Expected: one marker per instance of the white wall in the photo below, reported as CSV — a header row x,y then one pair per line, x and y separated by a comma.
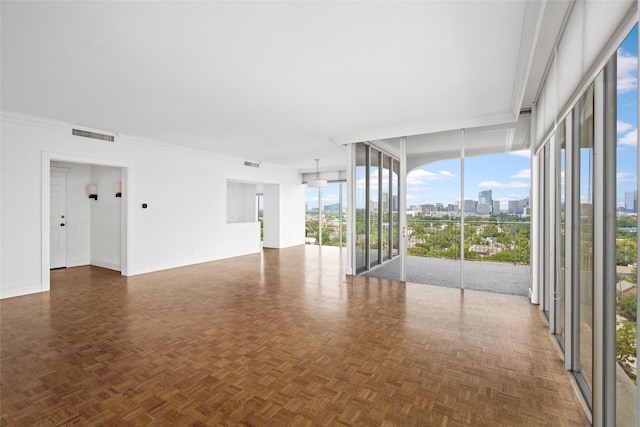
x,y
106,218
185,221
271,216
281,209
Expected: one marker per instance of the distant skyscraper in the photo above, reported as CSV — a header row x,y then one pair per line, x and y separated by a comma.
x,y
484,208
486,197
631,201
515,207
470,206
496,207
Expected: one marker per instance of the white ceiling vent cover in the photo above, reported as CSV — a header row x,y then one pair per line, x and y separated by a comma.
x,y
252,164
93,135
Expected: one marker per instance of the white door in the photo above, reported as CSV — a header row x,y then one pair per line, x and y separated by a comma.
x,y
57,220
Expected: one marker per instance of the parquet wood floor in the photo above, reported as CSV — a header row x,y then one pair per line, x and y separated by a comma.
x,y
279,338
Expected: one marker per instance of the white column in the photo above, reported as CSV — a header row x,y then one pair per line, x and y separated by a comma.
x,y
351,209
534,291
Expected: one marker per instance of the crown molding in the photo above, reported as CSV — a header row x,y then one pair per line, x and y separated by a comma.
x,y
121,138
33,121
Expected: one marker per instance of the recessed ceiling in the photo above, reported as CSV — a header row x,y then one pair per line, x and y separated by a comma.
x,y
277,82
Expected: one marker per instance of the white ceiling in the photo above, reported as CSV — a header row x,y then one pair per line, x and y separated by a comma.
x,y
277,82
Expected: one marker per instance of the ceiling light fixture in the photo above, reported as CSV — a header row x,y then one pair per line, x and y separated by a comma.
x,y
317,183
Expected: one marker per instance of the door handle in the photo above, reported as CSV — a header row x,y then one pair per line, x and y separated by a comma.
x,y
62,225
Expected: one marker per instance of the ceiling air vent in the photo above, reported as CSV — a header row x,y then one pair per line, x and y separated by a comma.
x,y
252,164
94,135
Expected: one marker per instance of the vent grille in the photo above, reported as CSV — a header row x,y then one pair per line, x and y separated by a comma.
x,y
252,164
93,135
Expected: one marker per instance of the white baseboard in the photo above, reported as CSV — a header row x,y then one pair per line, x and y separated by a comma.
x,y
105,264
20,290
78,262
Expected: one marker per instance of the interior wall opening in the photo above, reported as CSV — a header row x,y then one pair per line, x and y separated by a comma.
x,y
86,216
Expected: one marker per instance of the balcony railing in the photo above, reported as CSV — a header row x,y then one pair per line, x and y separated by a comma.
x,y
484,240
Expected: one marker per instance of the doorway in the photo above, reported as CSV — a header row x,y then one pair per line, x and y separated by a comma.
x,y
95,231
85,215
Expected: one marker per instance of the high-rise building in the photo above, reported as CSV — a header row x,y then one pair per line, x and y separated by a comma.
x,y
486,197
631,201
496,207
484,208
470,206
515,207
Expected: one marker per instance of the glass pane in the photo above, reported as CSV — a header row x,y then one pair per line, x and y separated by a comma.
x,y
374,208
385,205
361,211
548,262
395,207
343,214
312,215
627,232
497,222
561,295
584,366
331,214
433,224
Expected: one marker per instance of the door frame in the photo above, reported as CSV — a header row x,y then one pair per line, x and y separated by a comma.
x,y
125,212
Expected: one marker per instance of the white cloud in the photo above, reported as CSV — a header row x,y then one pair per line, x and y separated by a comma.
x,y
448,174
522,153
630,138
625,177
624,126
496,184
627,71
522,174
421,176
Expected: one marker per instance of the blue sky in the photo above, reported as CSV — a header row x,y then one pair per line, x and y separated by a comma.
x,y
508,174
627,115
440,182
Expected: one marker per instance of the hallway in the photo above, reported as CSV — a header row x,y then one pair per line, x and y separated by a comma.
x,y
278,338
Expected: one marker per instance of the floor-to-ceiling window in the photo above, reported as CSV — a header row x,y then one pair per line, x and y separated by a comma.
x,y
591,208
361,232
497,222
560,290
583,366
385,207
626,259
325,215
395,206
376,207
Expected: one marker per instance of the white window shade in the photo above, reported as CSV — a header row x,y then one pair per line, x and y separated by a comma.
x,y
593,33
